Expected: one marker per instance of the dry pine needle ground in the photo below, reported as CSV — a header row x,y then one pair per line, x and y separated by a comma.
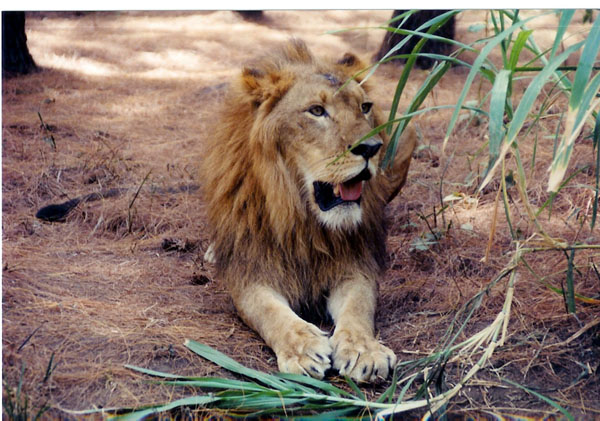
x,y
127,98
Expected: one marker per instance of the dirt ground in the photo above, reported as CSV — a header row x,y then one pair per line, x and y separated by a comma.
x,y
127,98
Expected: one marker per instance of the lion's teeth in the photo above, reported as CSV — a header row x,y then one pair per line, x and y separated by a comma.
x,y
336,190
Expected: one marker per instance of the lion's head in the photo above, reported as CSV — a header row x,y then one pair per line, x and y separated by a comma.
x,y
311,113
320,124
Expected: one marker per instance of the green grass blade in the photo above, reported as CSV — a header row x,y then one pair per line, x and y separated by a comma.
x,y
155,373
404,16
563,24
207,382
391,390
515,53
227,363
405,389
418,32
588,96
586,62
565,149
143,413
565,83
527,101
533,90
435,24
438,57
580,105
496,125
218,383
543,398
320,384
408,35
354,387
429,83
506,204
260,401
477,65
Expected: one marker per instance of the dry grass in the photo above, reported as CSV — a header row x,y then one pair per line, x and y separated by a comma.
x,y
127,94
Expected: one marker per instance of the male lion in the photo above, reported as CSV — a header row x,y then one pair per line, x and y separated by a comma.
x,y
295,226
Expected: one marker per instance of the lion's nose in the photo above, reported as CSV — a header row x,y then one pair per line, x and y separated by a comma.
x,y
367,149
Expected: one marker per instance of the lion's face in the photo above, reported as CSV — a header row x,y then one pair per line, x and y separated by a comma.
x,y
319,122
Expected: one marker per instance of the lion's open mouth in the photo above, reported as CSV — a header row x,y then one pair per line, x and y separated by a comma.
x,y
328,196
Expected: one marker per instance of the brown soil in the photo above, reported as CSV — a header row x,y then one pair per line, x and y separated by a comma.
x,y
127,98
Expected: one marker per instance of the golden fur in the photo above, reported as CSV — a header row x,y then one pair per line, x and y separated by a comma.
x,y
284,122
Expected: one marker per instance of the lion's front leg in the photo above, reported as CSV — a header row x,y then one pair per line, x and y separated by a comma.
x,y
300,347
356,352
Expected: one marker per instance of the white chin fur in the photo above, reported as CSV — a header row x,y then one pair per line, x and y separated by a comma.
x,y
343,217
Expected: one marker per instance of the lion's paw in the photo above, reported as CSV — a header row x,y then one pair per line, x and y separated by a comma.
x,y
361,357
306,350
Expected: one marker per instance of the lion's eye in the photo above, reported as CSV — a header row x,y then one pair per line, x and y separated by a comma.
x,y
366,107
317,110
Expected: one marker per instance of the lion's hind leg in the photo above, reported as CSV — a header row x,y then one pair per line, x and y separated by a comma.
x,y
356,352
300,347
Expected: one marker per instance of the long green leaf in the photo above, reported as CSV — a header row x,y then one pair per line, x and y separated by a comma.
x,y
565,149
208,382
429,83
526,104
564,82
533,90
435,24
582,95
563,24
591,91
354,387
477,64
260,401
156,373
229,364
586,62
408,35
496,126
218,383
191,401
320,384
515,53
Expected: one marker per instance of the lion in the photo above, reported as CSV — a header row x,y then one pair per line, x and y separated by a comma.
x,y
296,209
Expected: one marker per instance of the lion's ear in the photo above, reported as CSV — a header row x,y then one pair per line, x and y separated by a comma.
x,y
350,65
252,80
262,86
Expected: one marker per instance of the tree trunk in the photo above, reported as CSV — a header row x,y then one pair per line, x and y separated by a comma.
x,y
412,23
16,59
251,15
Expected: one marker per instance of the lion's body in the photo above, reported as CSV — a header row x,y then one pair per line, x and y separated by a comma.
x,y
274,244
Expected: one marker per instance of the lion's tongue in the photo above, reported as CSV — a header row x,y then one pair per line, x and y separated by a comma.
x,y
350,191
